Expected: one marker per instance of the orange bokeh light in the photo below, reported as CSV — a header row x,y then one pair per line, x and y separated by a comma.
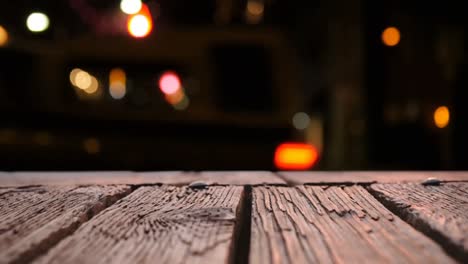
x,y
140,24
295,156
391,36
441,116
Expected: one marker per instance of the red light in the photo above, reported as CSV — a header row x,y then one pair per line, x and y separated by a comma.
x,y
169,83
295,156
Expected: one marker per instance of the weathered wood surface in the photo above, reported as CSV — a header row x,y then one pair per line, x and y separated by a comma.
x,y
439,211
128,177
300,178
316,224
216,177
33,219
164,224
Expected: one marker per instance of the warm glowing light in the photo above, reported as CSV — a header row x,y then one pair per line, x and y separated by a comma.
x,y
295,156
254,11
73,75
169,83
301,120
255,8
93,87
92,145
391,36
3,36
117,83
117,90
140,24
82,80
176,97
117,75
130,7
37,22
441,116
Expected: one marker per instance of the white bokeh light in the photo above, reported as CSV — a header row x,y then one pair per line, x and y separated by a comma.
x,y
37,22
139,26
130,7
301,120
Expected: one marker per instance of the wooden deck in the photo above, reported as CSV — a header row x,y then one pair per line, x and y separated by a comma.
x,y
233,217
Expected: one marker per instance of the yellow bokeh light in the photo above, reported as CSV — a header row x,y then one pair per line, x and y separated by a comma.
x,y
3,36
391,36
441,116
82,80
93,87
73,75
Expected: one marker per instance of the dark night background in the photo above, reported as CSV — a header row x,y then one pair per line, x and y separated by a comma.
x,y
247,68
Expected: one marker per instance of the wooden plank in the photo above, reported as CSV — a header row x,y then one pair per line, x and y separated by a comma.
x,y
13,179
439,211
336,224
165,224
33,219
128,177
309,177
215,177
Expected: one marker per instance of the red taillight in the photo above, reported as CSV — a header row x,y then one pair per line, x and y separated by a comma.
x,y
295,156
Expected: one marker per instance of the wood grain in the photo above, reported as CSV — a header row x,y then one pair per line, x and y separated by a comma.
x,y
309,177
138,178
32,219
164,224
215,177
336,224
439,211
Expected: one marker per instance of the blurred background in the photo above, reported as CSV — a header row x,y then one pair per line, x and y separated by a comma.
x,y
233,84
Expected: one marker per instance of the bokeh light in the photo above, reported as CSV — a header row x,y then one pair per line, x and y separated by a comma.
x,y
140,25
254,11
441,116
301,120
92,146
117,83
3,36
37,22
130,7
82,80
391,36
169,83
176,97
295,156
183,104
93,87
